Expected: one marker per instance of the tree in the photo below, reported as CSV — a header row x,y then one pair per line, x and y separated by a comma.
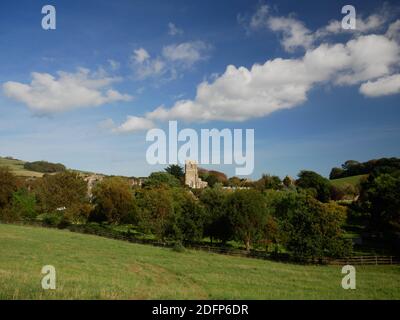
x,y
268,182
155,211
161,179
8,185
311,229
23,204
61,190
316,184
336,173
176,171
287,182
213,177
189,218
114,201
380,197
216,224
246,210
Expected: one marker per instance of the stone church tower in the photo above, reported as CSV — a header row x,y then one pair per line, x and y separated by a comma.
x,y
192,176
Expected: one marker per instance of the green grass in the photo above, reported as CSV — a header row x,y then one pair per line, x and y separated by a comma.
x,y
90,267
354,180
17,167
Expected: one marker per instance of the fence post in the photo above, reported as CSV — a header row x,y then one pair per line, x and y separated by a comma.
x,y
376,260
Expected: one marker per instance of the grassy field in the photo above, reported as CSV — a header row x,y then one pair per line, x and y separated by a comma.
x,y
17,167
354,180
90,267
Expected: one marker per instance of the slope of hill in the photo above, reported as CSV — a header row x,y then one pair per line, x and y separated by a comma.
x,y
90,267
17,167
354,180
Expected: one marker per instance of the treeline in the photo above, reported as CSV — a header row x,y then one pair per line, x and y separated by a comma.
x,y
354,168
294,217
44,167
291,221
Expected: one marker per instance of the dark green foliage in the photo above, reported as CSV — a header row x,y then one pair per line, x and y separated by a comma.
x,y
380,196
189,219
155,211
23,205
311,229
268,182
354,168
216,224
175,170
161,179
317,185
44,167
246,210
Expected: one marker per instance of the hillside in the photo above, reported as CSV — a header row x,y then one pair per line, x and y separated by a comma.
x,y
17,167
90,267
354,180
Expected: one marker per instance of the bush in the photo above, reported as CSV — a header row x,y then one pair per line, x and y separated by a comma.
x,y
23,205
114,202
44,167
178,247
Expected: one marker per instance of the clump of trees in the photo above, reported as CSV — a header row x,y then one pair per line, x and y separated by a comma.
x,y
44,167
353,168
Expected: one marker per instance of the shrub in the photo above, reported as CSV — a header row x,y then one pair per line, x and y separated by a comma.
x,y
44,167
178,247
114,202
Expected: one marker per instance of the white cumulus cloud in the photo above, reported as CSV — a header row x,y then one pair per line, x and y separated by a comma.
x,y
133,124
50,94
382,87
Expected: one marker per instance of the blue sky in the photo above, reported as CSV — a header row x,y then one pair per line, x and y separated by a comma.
x,y
317,97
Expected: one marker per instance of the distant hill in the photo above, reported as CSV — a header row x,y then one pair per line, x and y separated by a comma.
x,y
21,168
17,167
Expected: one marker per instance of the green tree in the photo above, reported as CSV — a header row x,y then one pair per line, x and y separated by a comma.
x,y
175,170
23,204
316,184
216,223
311,229
246,210
161,179
61,190
380,197
8,185
155,211
114,201
190,217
